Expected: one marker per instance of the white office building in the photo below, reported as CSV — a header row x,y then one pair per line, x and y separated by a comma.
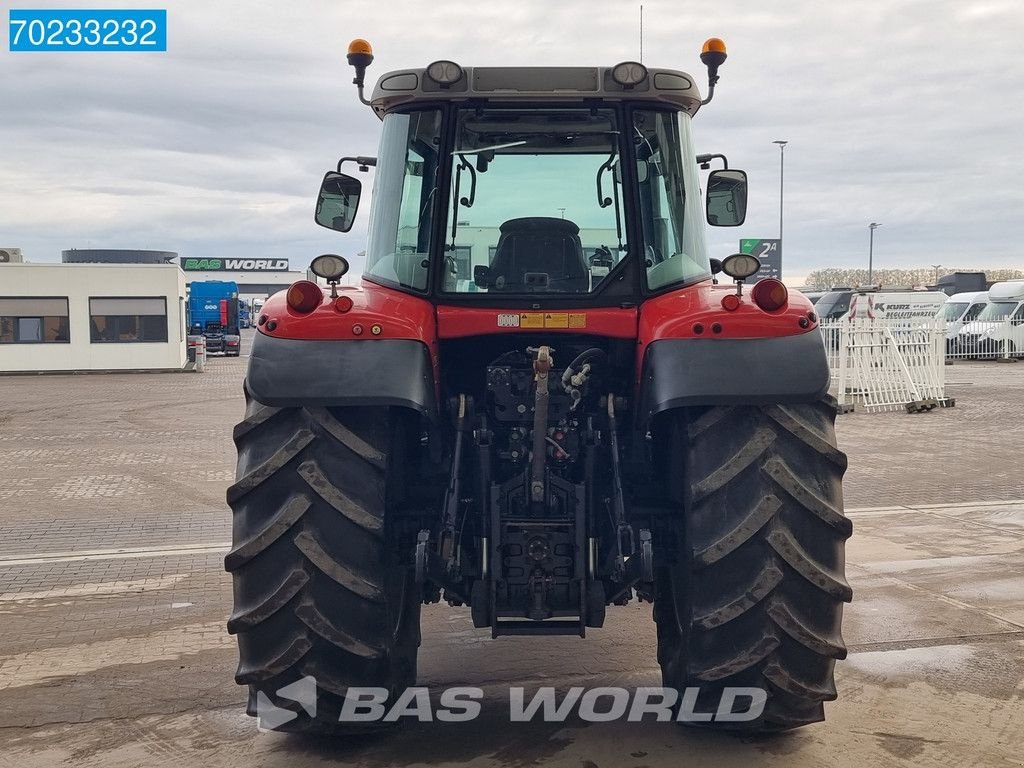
x,y
91,317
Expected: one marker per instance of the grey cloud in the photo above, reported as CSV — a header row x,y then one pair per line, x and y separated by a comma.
x,y
905,112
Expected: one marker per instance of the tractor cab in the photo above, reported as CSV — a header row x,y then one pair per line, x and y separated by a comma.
x,y
525,184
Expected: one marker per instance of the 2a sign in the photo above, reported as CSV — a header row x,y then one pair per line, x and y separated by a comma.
x,y
235,265
769,253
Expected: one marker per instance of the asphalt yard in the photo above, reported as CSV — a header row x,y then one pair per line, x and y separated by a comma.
x,y
113,600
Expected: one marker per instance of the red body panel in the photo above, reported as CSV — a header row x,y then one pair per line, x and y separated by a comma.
x,y
459,322
674,315
399,316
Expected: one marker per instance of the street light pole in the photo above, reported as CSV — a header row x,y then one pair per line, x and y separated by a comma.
x,y
782,173
871,251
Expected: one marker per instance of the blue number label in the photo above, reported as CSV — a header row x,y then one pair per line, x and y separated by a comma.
x,y
98,30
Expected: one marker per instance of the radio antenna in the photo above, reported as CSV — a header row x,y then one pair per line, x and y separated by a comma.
x,y
641,33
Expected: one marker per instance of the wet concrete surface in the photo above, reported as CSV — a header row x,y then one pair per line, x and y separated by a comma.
x,y
113,601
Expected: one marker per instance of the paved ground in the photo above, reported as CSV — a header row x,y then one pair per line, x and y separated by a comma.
x,y
113,599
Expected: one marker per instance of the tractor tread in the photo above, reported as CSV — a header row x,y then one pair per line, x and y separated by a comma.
x,y
788,622
314,476
289,514
315,620
747,454
762,587
789,420
708,419
801,493
260,414
348,438
788,682
739,662
257,671
278,598
339,572
254,478
790,551
762,512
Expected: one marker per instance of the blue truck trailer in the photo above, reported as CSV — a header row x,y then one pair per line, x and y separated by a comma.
x,y
213,312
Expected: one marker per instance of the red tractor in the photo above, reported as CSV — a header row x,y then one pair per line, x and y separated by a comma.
x,y
540,401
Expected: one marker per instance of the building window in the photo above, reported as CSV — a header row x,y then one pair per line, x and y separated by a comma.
x,y
117,320
26,320
464,262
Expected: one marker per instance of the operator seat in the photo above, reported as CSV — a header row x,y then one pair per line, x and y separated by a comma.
x,y
534,246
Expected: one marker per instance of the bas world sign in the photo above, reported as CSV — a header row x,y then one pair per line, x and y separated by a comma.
x,y
234,265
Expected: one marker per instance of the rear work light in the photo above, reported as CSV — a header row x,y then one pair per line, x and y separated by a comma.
x,y
770,294
304,296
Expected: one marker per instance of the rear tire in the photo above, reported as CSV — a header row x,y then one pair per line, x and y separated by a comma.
x,y
319,588
756,592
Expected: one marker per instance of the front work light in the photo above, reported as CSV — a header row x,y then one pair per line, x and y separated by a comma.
x,y
444,72
740,266
330,267
629,73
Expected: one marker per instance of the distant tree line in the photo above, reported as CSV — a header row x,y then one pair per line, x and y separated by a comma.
x,y
823,279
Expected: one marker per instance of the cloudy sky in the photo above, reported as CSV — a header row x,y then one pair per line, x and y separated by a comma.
x,y
905,112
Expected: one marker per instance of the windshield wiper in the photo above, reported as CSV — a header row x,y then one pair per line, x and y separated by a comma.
x,y
461,152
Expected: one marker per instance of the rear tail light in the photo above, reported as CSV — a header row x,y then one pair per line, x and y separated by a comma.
x,y
731,302
770,294
304,296
343,304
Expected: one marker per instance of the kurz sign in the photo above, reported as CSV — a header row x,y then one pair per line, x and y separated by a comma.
x,y
234,265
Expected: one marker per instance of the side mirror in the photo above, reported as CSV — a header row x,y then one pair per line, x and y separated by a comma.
x,y
481,272
727,198
338,201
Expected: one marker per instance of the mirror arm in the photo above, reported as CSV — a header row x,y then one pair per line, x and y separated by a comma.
x,y
364,163
704,161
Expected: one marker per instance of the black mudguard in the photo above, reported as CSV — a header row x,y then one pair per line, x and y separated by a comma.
x,y
687,372
394,372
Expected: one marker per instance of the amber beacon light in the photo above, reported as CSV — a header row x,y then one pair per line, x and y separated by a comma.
x,y
713,55
360,56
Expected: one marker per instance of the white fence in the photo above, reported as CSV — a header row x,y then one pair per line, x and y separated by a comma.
x,y
986,340
886,366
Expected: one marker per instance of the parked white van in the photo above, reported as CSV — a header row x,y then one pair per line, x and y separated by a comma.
x,y
959,310
998,330
891,305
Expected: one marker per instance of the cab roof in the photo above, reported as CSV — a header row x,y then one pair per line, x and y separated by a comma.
x,y
517,84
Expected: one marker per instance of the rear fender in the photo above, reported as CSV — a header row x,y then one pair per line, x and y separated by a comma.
x,y
380,350
692,351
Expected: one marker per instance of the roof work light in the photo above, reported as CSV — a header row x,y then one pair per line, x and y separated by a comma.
x,y
629,73
444,73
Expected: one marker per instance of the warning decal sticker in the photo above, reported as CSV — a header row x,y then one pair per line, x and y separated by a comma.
x,y
574,320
